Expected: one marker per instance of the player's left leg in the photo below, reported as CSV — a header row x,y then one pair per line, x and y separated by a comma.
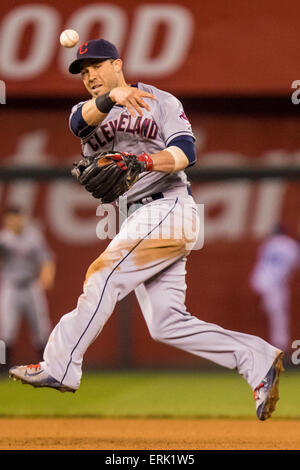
x,y
137,253
170,323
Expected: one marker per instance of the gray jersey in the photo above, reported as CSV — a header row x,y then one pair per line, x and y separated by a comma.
x,y
150,133
22,255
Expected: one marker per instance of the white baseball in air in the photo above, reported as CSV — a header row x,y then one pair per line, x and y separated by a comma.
x,y
69,38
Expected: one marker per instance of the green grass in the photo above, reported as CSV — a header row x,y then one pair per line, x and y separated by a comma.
x,y
155,394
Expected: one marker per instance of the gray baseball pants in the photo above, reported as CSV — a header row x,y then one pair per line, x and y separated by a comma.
x,y
148,255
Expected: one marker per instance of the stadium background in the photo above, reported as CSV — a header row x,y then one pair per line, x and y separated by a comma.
x,y
232,64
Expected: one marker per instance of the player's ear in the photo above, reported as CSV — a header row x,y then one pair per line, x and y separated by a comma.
x,y
118,65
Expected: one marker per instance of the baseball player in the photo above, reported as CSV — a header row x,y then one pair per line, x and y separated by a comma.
x,y
277,259
27,270
149,140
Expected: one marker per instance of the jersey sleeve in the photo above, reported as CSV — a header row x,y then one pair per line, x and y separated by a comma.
x,y
77,124
187,145
172,119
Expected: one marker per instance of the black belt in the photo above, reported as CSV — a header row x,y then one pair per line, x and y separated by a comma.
x,y
145,200
154,197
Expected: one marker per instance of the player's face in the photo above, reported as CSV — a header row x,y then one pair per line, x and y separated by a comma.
x,y
100,77
14,222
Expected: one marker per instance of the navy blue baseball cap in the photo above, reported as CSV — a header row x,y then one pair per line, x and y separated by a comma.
x,y
94,49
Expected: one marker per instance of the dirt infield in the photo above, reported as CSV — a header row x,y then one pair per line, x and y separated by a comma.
x,y
155,434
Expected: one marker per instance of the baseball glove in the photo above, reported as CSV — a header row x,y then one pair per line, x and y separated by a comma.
x,y
108,175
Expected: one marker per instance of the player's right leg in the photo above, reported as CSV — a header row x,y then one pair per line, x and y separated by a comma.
x,y
256,360
170,323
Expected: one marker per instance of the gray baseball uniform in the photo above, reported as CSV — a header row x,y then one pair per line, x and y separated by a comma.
x,y
21,259
150,133
148,255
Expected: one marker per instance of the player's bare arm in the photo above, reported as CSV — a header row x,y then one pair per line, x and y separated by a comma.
x,y
169,160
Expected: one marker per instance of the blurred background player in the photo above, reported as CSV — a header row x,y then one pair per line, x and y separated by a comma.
x,y
277,259
27,270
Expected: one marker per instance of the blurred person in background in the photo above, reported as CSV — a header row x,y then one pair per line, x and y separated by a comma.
x,y
27,270
277,260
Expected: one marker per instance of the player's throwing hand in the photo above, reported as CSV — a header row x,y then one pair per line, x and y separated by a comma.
x,y
131,98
